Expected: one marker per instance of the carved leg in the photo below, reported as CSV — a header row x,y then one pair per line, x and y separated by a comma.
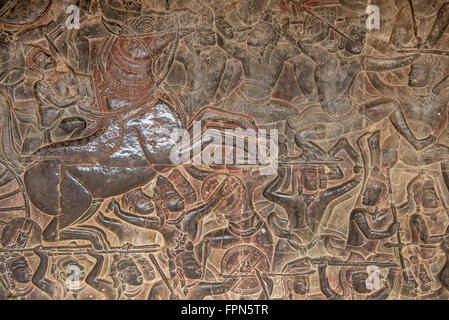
x,y
377,110
232,119
53,234
343,144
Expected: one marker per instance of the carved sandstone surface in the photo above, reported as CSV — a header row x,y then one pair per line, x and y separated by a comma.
x,y
349,99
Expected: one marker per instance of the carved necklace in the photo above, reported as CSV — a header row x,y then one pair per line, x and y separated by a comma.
x,y
22,293
131,293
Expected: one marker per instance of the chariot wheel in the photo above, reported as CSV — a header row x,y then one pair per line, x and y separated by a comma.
x,y
13,197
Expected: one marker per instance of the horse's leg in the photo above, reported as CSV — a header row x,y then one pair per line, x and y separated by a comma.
x,y
63,197
42,186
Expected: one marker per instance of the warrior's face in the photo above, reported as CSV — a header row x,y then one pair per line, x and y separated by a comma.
x,y
140,203
224,27
190,266
174,202
419,75
429,199
143,206
371,196
301,284
358,282
171,199
356,46
129,273
314,178
44,61
19,269
206,36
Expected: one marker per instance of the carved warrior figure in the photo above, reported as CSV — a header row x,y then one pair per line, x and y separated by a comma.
x,y
425,100
17,279
334,75
92,207
425,210
134,116
210,75
360,233
262,60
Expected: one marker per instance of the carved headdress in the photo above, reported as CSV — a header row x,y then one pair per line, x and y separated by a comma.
x,y
422,186
31,53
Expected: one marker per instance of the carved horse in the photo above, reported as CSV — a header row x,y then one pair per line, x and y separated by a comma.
x,y
131,146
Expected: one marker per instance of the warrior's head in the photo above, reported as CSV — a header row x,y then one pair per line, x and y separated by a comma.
x,y
264,33
375,190
313,177
355,33
70,272
38,59
425,194
426,71
125,272
250,11
167,194
298,283
137,201
17,269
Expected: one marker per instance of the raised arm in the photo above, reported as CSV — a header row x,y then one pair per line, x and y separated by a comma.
x,y
324,284
270,191
335,192
114,225
358,216
204,289
146,223
192,217
102,286
39,279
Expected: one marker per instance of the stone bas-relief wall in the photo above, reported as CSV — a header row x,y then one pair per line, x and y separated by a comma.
x,y
92,205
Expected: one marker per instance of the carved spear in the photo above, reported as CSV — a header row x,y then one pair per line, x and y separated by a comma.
x,y
398,235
